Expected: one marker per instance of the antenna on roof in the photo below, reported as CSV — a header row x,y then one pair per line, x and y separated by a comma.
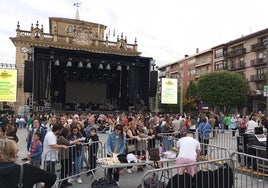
x,y
77,4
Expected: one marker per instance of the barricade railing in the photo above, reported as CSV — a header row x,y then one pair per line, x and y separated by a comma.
x,y
250,170
209,174
74,161
168,140
226,139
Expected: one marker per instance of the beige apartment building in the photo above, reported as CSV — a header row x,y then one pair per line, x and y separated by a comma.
x,y
245,55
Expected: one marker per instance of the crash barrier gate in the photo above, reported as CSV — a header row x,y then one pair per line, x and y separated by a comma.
x,y
64,162
209,174
74,161
226,139
240,170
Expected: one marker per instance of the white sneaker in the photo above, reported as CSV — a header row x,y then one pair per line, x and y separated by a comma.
x,y
79,180
129,171
71,180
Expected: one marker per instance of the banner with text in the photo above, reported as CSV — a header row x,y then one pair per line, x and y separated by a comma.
x,y
8,85
169,92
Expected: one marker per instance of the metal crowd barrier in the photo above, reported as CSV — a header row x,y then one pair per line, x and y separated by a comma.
x,y
75,161
250,171
209,174
227,139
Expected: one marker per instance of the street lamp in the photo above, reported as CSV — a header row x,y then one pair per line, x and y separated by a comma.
x,y
181,95
265,42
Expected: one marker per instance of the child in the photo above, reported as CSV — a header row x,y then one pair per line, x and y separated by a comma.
x,y
35,151
93,149
141,147
152,135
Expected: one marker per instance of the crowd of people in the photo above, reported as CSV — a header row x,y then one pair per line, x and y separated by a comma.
x,y
126,133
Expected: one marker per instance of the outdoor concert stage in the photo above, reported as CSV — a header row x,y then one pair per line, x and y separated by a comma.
x,y
81,80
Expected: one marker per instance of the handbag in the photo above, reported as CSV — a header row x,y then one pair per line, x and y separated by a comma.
x,y
20,184
131,148
104,183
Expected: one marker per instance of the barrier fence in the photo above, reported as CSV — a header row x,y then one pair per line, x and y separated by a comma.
x,y
217,155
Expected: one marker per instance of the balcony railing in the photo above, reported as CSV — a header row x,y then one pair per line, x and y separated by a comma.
x,y
257,46
256,78
234,53
237,66
258,62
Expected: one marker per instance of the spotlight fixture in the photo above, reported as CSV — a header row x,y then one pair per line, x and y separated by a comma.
x,y
80,64
100,66
119,67
88,65
108,67
69,63
57,63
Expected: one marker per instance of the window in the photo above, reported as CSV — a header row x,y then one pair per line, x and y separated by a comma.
x,y
241,61
218,53
70,29
220,65
260,73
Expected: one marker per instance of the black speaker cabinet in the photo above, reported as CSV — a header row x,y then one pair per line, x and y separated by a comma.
x,y
28,76
153,83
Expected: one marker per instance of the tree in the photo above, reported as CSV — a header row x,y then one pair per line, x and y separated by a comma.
x,y
223,89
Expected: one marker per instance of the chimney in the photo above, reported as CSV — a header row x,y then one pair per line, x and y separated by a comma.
x,y
197,50
186,55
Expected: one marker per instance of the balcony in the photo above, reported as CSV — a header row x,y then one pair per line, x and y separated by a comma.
x,y
257,46
237,66
241,51
257,78
258,62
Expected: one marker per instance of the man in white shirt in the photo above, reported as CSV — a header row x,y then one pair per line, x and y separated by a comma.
x,y
251,124
51,148
189,152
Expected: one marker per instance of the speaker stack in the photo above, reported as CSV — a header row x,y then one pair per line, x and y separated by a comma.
x,y
153,83
28,76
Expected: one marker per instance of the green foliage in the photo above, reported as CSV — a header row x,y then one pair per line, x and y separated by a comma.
x,y
191,90
223,89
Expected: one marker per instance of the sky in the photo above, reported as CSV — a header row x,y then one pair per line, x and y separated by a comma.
x,y
166,30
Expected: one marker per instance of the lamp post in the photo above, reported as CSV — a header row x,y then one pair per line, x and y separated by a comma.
x,y
265,42
181,95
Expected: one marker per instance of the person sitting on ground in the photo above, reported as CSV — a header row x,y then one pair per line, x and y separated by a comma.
x,y
10,171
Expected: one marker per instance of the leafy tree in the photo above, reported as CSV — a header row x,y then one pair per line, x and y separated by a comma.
x,y
191,90
223,89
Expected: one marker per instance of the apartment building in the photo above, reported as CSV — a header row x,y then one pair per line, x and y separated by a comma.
x,y
246,55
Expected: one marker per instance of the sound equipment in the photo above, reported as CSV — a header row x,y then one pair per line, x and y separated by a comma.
x,y
28,76
153,83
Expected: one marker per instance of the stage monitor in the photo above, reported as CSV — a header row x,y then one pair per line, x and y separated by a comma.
x,y
169,92
8,85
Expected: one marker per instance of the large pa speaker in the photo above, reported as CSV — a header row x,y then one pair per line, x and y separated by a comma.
x,y
153,83
28,76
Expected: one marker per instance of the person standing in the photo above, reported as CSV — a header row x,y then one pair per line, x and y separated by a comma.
x,y
10,171
204,130
50,149
76,153
93,146
36,128
189,152
115,146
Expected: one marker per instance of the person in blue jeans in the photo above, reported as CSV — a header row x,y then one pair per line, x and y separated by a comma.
x,y
116,142
76,153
